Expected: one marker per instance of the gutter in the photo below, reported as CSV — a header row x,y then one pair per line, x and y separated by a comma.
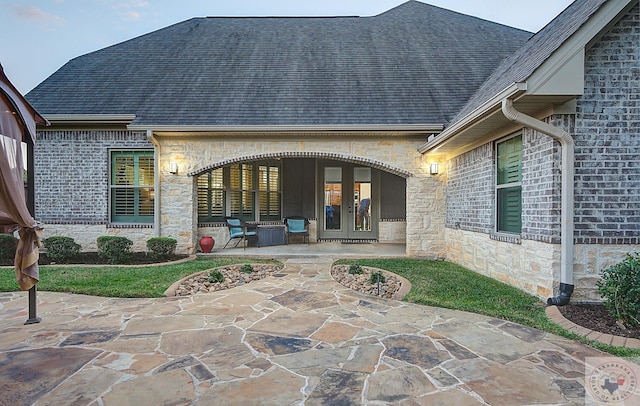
x,y
470,119
567,209
156,184
410,128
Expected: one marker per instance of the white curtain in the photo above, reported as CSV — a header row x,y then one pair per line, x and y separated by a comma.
x,y
17,122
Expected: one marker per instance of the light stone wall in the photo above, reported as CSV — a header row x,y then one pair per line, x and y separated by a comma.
x,y
425,217
392,232
532,266
590,259
178,219
86,235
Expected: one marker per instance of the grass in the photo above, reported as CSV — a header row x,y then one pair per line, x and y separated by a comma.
x,y
444,284
434,283
120,281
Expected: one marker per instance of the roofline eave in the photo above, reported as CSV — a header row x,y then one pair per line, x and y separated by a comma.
x,y
321,128
487,108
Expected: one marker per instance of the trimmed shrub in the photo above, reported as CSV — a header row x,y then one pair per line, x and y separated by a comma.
x,y
61,249
373,278
216,276
8,246
620,287
355,269
115,250
161,247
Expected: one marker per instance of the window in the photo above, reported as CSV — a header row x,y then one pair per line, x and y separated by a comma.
x,y
508,185
211,205
132,180
239,190
269,186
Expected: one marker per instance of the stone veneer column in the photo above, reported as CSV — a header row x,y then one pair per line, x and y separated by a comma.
x,y
178,218
425,216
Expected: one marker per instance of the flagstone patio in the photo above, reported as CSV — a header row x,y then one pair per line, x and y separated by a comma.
x,y
300,338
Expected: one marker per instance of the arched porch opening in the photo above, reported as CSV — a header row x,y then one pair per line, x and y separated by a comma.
x,y
345,197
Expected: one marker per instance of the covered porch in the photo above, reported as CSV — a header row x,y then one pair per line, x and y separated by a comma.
x,y
332,249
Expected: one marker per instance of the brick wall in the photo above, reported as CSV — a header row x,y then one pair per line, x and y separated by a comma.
x,y
72,174
470,190
608,139
541,186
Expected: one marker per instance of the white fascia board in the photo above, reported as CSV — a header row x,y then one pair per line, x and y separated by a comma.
x,y
482,111
426,128
90,118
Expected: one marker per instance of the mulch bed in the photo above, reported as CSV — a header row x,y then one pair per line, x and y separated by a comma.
x,y
597,318
92,258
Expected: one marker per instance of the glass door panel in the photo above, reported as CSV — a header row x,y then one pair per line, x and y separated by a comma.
x,y
362,199
332,198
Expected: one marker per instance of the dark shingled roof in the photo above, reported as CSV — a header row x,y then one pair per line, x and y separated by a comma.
x,y
523,63
414,64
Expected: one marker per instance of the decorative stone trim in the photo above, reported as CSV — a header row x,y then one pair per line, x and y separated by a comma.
x,y
509,238
393,220
76,223
114,225
300,154
608,240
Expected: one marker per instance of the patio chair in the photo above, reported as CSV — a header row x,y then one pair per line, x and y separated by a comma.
x,y
297,225
238,230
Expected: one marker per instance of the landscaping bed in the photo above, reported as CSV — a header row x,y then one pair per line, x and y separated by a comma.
x,y
597,318
92,258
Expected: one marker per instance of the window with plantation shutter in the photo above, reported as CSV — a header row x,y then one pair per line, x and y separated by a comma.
x,y
132,193
508,185
238,190
269,186
211,204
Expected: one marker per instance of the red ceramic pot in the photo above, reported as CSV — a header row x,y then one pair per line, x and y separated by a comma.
x,y
206,243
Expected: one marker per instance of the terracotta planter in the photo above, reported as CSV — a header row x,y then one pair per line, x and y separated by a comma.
x,y
206,243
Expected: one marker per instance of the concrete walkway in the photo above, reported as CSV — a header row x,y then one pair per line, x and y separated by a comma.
x,y
296,338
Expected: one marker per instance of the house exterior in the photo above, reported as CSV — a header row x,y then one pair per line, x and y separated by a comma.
x,y
535,137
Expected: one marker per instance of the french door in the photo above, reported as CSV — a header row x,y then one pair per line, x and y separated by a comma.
x,y
349,201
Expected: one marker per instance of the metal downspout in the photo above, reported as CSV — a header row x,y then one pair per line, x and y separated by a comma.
x,y
567,210
156,183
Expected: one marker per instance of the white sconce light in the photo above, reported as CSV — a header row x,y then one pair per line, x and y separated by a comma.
x,y
433,169
173,168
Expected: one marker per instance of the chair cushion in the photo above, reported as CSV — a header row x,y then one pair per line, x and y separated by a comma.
x,y
296,226
233,222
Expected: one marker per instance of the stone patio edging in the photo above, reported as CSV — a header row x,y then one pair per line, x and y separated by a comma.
x,y
554,314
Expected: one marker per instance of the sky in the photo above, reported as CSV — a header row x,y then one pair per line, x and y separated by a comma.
x,y
39,36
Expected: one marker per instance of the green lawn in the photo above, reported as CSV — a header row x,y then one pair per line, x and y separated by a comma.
x,y
444,284
117,281
434,283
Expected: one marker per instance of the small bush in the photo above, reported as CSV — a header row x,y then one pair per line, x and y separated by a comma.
x,y
115,250
373,278
61,249
620,287
246,268
355,269
161,247
8,246
216,276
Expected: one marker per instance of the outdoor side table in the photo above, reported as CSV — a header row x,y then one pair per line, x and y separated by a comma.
x,y
270,235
